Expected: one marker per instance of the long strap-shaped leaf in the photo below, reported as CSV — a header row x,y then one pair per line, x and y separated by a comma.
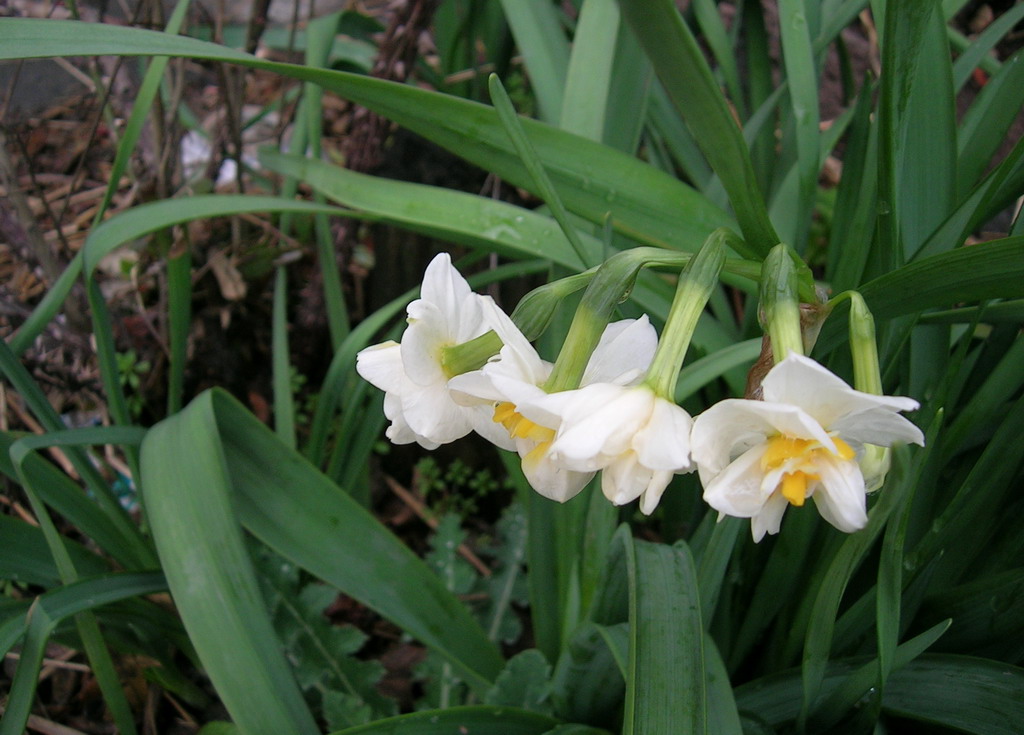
x,y
684,72
665,688
213,468
592,179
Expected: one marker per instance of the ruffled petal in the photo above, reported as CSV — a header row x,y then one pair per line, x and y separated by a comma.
x,y
399,432
840,496
444,286
802,382
879,426
664,443
381,366
432,414
550,479
481,418
737,489
769,520
655,489
731,427
422,342
601,419
624,352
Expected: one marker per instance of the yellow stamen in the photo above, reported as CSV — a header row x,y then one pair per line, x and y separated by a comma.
x,y
520,427
781,449
794,488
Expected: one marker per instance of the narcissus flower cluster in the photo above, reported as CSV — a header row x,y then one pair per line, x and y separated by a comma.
x,y
611,409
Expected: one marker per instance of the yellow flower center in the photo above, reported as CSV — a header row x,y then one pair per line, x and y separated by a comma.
x,y
782,449
520,427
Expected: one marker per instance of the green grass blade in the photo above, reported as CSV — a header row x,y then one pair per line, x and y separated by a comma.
x,y
714,34
588,81
903,31
723,717
683,71
854,215
966,694
538,32
27,559
211,576
85,594
818,641
987,122
665,688
803,97
591,179
979,50
858,686
528,155
991,270
136,551
999,189
366,561
179,324
482,719
478,222
284,404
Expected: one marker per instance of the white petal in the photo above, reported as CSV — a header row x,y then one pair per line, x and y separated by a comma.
x,y
802,382
494,318
664,443
878,426
381,366
655,489
422,344
432,414
473,388
840,496
624,480
626,348
731,427
601,419
769,520
737,490
399,432
553,481
481,418
444,286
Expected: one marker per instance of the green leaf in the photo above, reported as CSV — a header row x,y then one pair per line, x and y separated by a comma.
x,y
239,468
591,179
818,641
588,685
969,694
682,69
525,682
665,688
47,611
481,719
537,28
993,269
987,123
803,97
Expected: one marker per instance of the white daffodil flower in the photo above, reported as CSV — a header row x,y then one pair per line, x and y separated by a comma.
x,y
412,374
636,438
510,386
803,440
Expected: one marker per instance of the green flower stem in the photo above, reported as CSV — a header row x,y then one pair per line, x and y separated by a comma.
x,y
609,286
472,355
694,289
507,115
534,312
780,302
